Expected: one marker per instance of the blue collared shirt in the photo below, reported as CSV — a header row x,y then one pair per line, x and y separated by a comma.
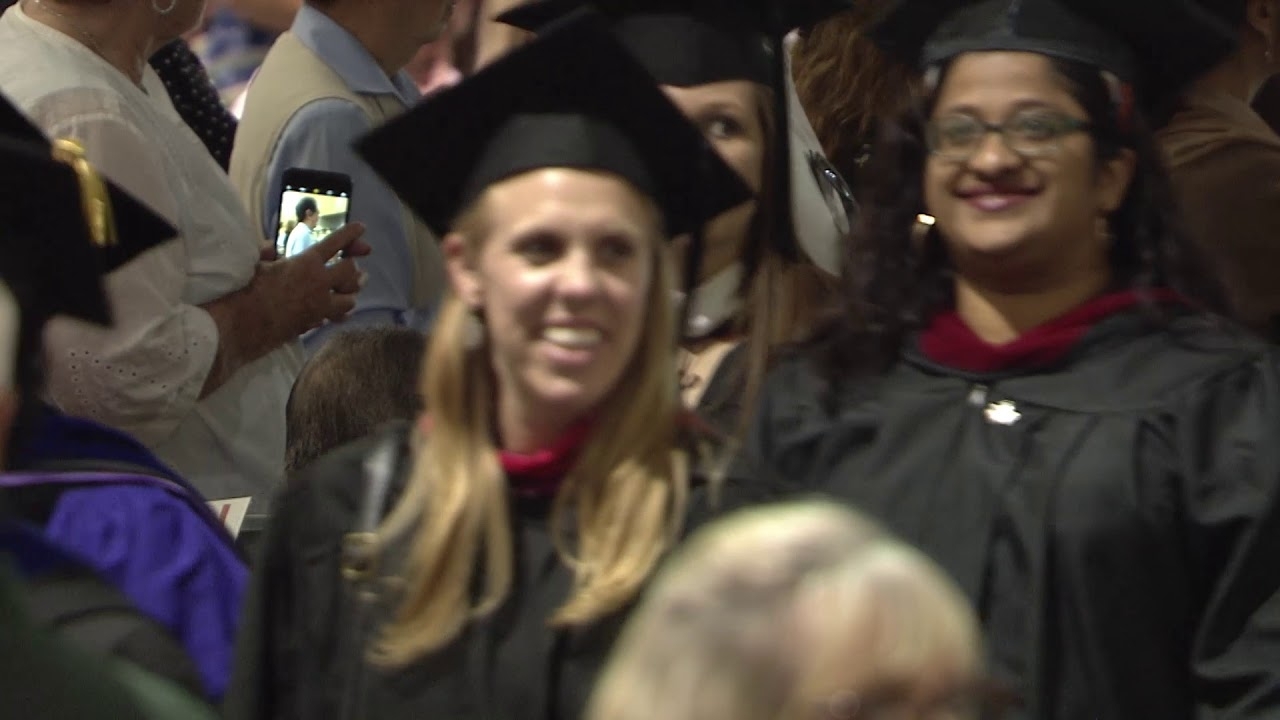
x,y
319,137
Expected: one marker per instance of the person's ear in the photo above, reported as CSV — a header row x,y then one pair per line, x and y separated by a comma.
x,y
1115,178
1264,17
464,275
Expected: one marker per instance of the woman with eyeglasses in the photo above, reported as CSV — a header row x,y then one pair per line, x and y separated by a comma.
x,y
1030,382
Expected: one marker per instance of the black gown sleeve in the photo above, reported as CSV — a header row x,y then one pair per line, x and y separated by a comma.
x,y
290,662
722,401
267,642
1229,452
790,422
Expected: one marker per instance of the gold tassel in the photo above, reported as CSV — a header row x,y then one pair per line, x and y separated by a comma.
x,y
94,196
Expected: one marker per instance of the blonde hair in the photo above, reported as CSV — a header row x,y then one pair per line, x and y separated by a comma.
x,y
627,491
759,617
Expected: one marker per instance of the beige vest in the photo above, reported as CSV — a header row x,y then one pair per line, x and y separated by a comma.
x,y
292,76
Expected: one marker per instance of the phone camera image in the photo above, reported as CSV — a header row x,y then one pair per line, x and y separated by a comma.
x,y
307,216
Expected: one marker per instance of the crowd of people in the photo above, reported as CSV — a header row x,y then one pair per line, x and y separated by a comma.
x,y
717,359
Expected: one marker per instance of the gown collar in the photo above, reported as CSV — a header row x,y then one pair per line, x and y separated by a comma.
x,y
715,303
57,436
539,474
949,342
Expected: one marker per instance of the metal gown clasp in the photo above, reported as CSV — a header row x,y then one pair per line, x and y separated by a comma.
x,y
1002,413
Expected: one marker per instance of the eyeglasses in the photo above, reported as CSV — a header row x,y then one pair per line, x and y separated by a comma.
x,y
1030,134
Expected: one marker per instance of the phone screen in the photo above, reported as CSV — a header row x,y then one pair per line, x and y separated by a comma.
x,y
310,209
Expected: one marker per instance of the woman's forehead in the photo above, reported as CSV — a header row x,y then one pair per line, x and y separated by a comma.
x,y
574,201
1001,79
737,91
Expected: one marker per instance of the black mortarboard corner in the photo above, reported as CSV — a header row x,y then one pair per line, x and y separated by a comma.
x,y
48,241
681,42
573,98
696,42
62,228
1158,46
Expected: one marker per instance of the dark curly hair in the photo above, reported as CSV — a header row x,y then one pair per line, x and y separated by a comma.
x,y
890,288
846,85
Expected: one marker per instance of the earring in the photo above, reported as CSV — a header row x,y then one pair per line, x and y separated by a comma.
x,y
1103,230
920,230
164,10
473,331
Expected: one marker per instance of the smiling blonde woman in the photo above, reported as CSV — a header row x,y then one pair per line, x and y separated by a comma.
x,y
554,471
766,268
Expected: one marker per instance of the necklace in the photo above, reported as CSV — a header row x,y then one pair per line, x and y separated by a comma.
x,y
89,40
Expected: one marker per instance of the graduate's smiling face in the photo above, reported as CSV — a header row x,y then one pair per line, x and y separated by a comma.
x,y
1033,200
562,279
730,115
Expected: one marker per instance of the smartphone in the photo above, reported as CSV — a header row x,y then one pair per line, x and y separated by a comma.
x,y
313,203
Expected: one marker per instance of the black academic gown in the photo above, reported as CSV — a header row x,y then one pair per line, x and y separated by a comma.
x,y
721,404
1115,518
44,677
293,660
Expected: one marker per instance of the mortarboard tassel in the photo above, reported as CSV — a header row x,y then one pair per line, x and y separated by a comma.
x,y
94,195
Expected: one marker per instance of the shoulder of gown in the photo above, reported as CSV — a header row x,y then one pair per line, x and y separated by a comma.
x,y
278,668
1202,401
168,560
795,408
721,405
299,558
1219,437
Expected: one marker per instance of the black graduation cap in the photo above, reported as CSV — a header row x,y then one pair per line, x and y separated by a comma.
x,y
1156,45
572,98
695,42
50,254
61,229
692,42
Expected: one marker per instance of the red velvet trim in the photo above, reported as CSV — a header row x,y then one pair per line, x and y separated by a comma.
x,y
540,473
949,341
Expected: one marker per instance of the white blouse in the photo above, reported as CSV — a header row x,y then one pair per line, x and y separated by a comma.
x,y
145,374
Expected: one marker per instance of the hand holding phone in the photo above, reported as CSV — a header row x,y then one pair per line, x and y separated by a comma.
x,y
344,243
313,204
303,292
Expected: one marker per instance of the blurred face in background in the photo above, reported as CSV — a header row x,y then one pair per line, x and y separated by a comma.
x,y
730,115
